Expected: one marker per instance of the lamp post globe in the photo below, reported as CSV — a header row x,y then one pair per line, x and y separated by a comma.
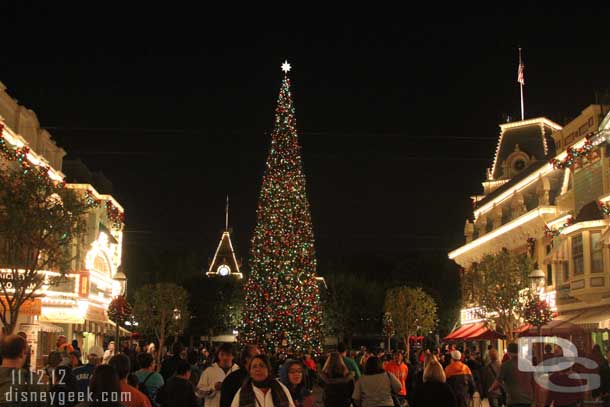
x,y
536,277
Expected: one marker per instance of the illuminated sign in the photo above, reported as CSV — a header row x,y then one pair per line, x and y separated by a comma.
x,y
471,315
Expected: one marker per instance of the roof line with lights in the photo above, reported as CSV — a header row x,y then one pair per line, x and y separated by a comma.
x,y
228,236
522,123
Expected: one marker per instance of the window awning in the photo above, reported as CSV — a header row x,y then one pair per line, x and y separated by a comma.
x,y
563,324
458,333
111,327
473,332
595,318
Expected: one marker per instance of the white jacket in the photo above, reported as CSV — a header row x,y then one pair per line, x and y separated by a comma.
x,y
264,399
205,387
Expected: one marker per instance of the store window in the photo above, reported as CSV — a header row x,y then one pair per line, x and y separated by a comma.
x,y
597,261
549,274
577,255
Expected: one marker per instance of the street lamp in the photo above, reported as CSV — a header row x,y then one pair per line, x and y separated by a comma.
x,y
121,278
536,277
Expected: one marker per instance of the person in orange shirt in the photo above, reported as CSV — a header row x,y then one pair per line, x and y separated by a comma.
x,y
130,396
399,369
63,346
459,377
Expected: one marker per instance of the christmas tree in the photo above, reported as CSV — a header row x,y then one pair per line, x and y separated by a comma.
x,y
282,301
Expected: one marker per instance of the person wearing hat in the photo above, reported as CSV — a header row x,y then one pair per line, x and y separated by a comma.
x,y
459,377
84,373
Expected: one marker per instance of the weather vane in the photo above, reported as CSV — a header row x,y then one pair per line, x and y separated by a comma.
x,y
286,66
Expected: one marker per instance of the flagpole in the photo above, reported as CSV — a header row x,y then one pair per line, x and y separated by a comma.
x,y
227,215
521,87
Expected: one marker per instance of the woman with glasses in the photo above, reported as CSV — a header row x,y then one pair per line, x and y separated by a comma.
x,y
293,376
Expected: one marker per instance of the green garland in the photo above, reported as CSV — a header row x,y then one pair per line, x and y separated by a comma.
x,y
548,232
604,207
573,155
115,216
20,154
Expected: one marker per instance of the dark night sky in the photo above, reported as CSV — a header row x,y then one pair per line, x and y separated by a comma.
x,y
398,119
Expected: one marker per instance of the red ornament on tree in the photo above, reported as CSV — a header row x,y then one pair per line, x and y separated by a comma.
x,y
119,310
537,312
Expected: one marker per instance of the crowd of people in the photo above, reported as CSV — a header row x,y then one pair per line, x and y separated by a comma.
x,y
197,377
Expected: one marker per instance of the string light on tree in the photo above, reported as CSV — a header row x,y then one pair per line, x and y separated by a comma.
x,y
282,303
537,312
42,173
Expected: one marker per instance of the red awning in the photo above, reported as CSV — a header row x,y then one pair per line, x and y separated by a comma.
x,y
485,334
473,332
462,331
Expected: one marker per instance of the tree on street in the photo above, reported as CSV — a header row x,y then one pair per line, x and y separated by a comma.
x,y
413,311
161,310
40,220
498,285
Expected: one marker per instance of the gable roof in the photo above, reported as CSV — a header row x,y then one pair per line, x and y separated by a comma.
x,y
225,255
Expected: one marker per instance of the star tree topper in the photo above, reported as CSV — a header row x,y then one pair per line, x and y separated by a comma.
x,y
286,67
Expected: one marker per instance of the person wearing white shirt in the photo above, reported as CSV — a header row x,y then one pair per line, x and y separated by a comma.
x,y
260,389
211,380
108,353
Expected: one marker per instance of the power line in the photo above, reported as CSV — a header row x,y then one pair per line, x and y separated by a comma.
x,y
386,156
331,133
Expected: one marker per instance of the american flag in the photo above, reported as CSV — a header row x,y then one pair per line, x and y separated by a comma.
x,y
521,74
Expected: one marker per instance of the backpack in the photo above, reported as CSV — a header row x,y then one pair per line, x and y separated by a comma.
x,y
143,389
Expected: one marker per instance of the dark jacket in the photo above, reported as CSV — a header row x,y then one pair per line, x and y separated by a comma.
x,y
177,392
476,370
337,391
434,394
65,385
604,372
230,385
168,367
83,375
459,377
489,374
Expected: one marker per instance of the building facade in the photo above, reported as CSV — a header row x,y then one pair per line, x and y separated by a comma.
x,y
77,306
547,193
